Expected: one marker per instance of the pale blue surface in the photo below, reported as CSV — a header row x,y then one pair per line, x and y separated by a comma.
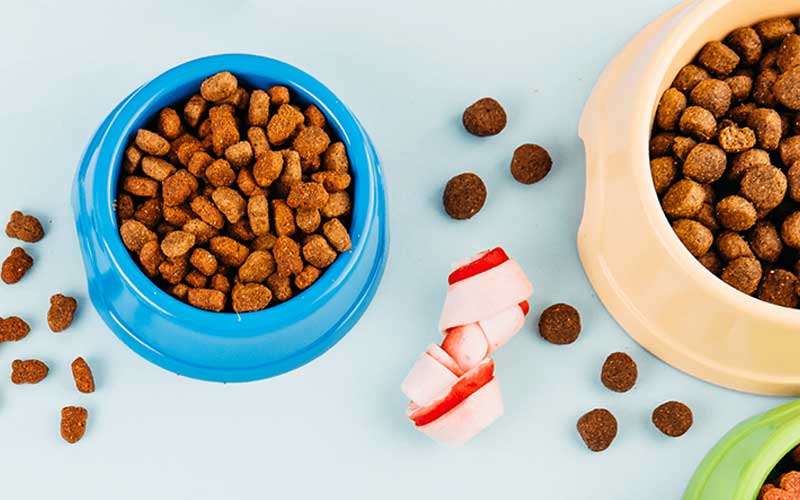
x,y
336,428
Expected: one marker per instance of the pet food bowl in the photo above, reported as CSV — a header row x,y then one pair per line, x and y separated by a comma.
x,y
736,468
219,346
666,300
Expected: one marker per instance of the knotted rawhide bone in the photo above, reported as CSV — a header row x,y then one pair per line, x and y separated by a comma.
x,y
454,394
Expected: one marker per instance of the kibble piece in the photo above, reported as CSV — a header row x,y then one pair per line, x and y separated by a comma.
x,y
229,251
283,124
220,173
670,109
152,143
741,113
673,418
281,287
307,277
698,122
284,218
194,110
705,163
741,86
598,428
151,257
307,195
769,60
712,262
765,187
13,329
339,204
531,163
24,227
695,237
73,423
221,283
484,117
219,87
560,324
688,78
464,196
684,199
661,144
732,245
247,183
789,52
140,186
766,241
135,234
789,149
224,132
279,95
790,230
201,230
743,273
619,372
310,143
177,216
208,212
169,123
793,179
718,58
178,187
207,299
257,268
164,229
28,371
713,95
174,270
287,256
779,287
735,139
258,112
745,161
268,168
257,138
230,203
335,158
762,88
149,213
61,312
736,213
332,181
258,214
787,89
772,31
124,207
198,163
263,242
308,219
746,43
318,252
337,235
82,374
240,154
131,159
195,279
314,117
768,127
204,261
682,146
707,217
250,297
177,244
15,266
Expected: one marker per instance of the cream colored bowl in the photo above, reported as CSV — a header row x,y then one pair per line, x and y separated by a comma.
x,y
666,300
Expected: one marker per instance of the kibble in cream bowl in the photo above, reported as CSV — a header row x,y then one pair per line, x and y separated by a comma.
x,y
678,194
274,282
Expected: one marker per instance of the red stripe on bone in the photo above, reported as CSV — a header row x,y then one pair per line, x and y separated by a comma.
x,y
482,262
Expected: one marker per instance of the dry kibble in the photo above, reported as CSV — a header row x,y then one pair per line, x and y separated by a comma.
x,y
790,230
712,262
560,324
224,132
131,159
768,127
178,187
208,212
335,158
307,195
198,163
684,199
169,123
743,273
484,117
682,146
688,78
705,163
531,163
220,283
284,218
287,256
283,124
711,94
247,183
152,143
230,203
741,113
229,251
670,109
793,180
258,214
240,154
279,95
337,235
598,428
194,110
314,117
201,230
140,186
765,187
13,329
772,31
263,242
766,241
24,227
250,297
219,87
741,87
695,237
61,312
769,60
73,423
82,374
718,58
308,219
268,168
707,217
258,112
307,277
15,266
135,234
745,161
220,173
124,207
204,261
661,144
698,122
257,138
177,244
464,196
619,372
196,279
673,418
310,143
318,252
281,287
732,245
28,371
174,270
207,299
762,88
149,213
789,149
257,268
736,213
734,139
787,89
177,216
779,287
746,43
332,181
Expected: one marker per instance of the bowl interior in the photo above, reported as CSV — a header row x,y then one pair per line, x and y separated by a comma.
x,y
180,83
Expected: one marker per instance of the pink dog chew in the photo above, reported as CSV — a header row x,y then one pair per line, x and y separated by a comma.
x,y
467,345
442,357
427,380
501,327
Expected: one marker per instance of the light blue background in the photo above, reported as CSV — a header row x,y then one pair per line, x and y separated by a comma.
x,y
336,428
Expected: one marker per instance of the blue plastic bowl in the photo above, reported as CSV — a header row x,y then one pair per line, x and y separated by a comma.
x,y
219,346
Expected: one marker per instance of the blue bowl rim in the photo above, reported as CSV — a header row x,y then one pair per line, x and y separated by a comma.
x,y
142,104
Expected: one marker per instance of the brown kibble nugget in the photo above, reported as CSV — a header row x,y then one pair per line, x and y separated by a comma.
x,y
718,58
24,227
745,161
743,273
335,158
339,204
221,283
765,187
206,299
268,168
196,279
283,124
61,313
208,212
707,217
464,196
683,199
673,418
178,187
560,324
790,230
789,53
741,113
695,237
174,270
307,195
705,163
201,230
152,143
150,257
787,88
661,144
732,245
713,95
293,172
258,111
219,87
779,287
220,173
13,329
279,95
140,186
198,163
169,123
310,143
712,262
229,251
670,108
230,203
258,214
287,256
736,213
240,154
793,179
204,261
789,149
247,183
698,122
682,146
84,380
768,127
250,297
746,43
484,117
741,86
307,277
598,428
530,163
619,372
73,423
308,219
28,371
131,159
263,242
284,218
134,235
124,207
177,216
318,252
763,94
177,244
257,138
16,266
766,242
332,181
281,287
734,139
314,117
194,110
149,213
688,78
772,31
257,268
337,235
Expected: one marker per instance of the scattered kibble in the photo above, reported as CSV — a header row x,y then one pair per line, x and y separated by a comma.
x,y
673,418
28,371
464,196
82,374
484,117
598,428
619,372
560,324
61,313
15,266
73,423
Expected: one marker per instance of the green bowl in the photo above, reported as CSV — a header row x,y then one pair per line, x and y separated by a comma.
x,y
739,464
